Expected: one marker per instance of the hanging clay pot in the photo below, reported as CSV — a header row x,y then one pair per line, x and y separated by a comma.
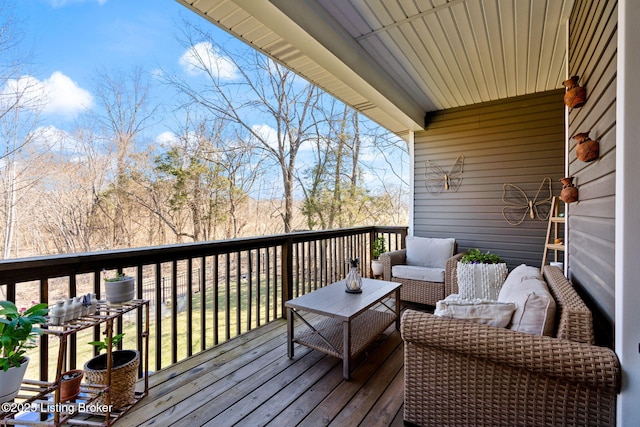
x,y
569,192
587,149
576,96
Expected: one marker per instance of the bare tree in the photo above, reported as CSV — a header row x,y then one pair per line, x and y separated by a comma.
x,y
249,90
127,110
77,175
333,188
20,104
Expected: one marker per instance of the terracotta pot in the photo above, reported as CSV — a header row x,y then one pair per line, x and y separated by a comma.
x,y
569,192
70,384
576,96
587,149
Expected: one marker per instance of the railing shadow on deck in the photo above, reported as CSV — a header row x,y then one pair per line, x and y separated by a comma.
x,y
201,294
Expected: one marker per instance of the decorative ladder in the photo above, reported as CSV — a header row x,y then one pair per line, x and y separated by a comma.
x,y
556,244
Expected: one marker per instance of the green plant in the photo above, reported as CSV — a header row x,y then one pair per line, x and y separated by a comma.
x,y
379,247
103,345
17,331
475,256
118,277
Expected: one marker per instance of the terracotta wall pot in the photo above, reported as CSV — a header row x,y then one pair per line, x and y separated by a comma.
x,y
569,192
576,96
587,149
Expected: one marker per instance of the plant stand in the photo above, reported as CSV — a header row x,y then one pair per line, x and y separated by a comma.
x,y
39,401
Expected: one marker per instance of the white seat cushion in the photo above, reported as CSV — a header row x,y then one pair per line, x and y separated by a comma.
x,y
414,272
429,252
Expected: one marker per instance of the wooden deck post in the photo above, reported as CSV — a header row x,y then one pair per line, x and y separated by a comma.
x,y
287,273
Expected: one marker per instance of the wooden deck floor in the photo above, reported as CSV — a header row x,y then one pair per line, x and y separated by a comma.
x,y
250,381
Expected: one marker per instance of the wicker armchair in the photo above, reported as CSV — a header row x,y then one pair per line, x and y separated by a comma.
x,y
460,373
419,291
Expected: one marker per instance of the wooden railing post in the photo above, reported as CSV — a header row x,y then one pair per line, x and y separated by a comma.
x,y
287,273
44,339
403,238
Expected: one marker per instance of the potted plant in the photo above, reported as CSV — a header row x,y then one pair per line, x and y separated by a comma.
x,y
480,275
379,247
17,334
119,288
124,371
70,384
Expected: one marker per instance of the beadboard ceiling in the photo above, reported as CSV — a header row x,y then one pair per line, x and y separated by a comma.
x,y
396,60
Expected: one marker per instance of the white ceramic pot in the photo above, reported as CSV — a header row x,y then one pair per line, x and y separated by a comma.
x,y
121,291
376,267
11,380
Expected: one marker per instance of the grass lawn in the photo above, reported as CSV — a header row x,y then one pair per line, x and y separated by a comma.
x,y
227,315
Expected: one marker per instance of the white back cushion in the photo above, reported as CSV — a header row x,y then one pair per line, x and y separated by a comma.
x,y
535,307
429,252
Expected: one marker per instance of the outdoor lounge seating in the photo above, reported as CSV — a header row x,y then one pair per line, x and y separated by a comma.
x,y
461,373
425,268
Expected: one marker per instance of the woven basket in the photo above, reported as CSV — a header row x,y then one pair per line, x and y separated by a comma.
x,y
124,374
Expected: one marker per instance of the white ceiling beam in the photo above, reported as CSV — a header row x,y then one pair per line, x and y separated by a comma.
x,y
306,26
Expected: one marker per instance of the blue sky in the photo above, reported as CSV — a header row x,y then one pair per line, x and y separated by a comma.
x,y
72,39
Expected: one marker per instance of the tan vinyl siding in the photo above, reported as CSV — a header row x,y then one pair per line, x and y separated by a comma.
x,y
518,140
591,250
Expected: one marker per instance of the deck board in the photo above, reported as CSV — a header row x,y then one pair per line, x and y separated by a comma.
x,y
250,381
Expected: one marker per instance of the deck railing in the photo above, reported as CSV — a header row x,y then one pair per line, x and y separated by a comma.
x,y
201,293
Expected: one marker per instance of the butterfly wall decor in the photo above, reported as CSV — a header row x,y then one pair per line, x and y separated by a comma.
x,y
519,204
436,179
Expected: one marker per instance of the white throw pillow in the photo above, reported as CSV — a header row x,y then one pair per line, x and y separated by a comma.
x,y
429,252
535,307
482,281
490,313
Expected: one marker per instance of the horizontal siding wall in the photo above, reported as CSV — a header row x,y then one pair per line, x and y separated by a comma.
x,y
518,141
591,249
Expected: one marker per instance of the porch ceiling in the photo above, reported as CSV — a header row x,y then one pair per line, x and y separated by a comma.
x,y
395,60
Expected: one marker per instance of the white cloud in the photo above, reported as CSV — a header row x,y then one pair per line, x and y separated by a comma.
x,y
167,139
64,96
266,133
56,95
204,57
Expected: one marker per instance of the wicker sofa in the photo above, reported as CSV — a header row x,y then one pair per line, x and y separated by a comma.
x,y
461,373
419,291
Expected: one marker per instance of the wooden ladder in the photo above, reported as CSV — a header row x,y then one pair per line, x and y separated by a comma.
x,y
556,244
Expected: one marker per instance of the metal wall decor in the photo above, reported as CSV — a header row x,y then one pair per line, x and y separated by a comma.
x,y
519,204
437,180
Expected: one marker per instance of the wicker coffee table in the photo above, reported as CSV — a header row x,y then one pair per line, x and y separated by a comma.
x,y
349,323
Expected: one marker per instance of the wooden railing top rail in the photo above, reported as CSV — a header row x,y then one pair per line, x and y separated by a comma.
x,y
51,266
